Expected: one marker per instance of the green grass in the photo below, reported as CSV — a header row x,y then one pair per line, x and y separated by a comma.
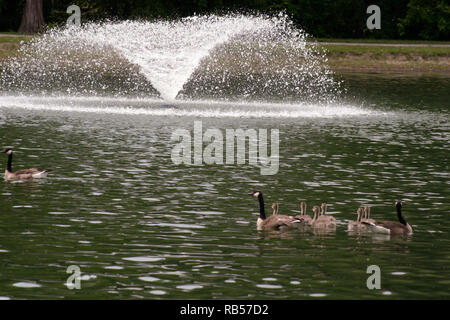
x,y
387,59
13,39
340,50
425,42
10,43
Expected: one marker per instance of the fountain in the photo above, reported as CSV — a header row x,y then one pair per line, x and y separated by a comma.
x,y
232,57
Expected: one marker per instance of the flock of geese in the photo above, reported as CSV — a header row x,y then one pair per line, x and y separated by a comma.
x,y
322,221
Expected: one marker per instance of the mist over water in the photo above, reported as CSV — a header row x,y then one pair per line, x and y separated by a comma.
x,y
232,57
194,108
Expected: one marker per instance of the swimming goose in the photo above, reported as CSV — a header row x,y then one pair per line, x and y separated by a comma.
x,y
315,209
272,222
275,208
356,225
303,216
366,215
322,220
392,227
323,208
26,174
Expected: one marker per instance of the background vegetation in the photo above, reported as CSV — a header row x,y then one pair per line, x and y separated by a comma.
x,y
400,19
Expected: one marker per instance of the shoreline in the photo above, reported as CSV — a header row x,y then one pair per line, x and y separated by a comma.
x,y
390,64
390,58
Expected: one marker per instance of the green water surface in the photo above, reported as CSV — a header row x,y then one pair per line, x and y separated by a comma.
x,y
140,227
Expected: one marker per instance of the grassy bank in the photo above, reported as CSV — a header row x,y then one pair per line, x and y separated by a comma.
x,y
10,43
387,56
383,41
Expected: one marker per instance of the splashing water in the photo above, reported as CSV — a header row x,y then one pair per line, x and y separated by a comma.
x,y
190,108
214,57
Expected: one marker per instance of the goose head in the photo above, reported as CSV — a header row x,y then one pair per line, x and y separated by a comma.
x,y
360,213
367,212
324,208
256,193
275,208
303,207
398,205
316,209
8,151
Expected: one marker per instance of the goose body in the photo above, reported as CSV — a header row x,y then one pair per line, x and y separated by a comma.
x,y
306,219
273,222
26,174
276,222
392,227
322,220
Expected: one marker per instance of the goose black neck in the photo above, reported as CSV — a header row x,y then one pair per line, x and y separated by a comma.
x,y
399,215
9,165
262,213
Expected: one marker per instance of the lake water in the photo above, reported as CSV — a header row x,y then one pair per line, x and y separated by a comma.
x,y
140,227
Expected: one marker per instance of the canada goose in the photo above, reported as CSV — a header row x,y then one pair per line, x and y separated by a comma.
x,y
322,220
315,209
392,227
323,208
272,222
366,215
275,208
26,174
303,216
357,225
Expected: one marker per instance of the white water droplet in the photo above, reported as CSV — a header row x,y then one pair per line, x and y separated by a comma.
x,y
143,259
27,285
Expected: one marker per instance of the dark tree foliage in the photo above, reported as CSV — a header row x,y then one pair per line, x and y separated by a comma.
x,y
426,20
11,14
407,19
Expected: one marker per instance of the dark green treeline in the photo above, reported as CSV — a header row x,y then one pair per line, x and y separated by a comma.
x,y
400,19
